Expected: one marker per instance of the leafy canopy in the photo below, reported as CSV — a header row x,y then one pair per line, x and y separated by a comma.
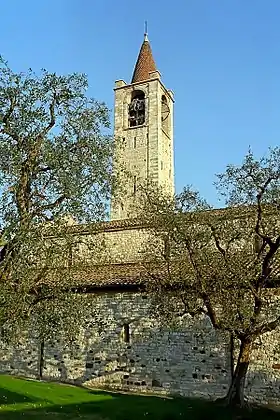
x,y
56,166
55,158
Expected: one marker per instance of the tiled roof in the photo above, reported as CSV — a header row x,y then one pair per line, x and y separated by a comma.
x,y
122,274
145,63
110,274
137,223
97,275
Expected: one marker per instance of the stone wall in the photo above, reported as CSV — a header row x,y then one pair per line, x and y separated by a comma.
x,y
144,151
113,245
192,361
263,381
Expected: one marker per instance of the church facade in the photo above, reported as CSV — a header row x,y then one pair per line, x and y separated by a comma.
x,y
125,349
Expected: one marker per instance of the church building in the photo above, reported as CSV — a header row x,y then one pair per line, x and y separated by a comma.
x,y
123,347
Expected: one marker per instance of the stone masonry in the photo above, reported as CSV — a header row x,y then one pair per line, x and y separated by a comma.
x,y
122,348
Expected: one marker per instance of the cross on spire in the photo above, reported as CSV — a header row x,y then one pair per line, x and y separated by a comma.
x,y
146,31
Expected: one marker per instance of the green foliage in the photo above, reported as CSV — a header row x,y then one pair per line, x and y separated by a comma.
x,y
55,170
242,185
224,264
55,158
210,255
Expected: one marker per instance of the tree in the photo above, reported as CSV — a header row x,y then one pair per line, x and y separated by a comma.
x,y
223,263
56,166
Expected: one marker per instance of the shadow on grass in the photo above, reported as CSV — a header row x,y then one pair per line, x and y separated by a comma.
x,y
106,406
8,397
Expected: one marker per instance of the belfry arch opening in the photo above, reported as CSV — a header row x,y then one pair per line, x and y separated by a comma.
x,y
136,109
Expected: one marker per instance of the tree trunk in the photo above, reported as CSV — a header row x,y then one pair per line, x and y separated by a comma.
x,y
235,395
41,358
231,355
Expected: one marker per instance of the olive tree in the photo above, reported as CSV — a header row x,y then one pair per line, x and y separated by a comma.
x,y
55,169
223,263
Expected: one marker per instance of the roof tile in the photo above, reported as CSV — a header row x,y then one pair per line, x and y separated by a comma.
x,y
145,63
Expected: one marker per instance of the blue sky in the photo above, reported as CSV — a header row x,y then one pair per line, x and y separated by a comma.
x,y
220,57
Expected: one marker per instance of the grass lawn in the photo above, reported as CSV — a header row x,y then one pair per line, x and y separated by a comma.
x,y
40,400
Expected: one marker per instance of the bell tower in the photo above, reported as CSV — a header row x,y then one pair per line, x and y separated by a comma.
x,y
143,124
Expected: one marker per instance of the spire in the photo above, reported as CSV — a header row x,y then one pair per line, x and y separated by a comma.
x,y
145,62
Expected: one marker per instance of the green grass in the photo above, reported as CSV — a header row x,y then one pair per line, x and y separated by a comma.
x,y
25,399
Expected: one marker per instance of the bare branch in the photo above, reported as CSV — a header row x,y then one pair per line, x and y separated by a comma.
x,y
52,116
51,206
217,242
260,212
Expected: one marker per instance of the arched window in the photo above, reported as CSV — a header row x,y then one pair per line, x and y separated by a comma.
x,y
136,109
165,111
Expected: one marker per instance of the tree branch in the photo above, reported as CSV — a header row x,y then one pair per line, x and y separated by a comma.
x,y
7,128
187,310
267,239
217,242
269,326
50,206
210,311
52,115
52,120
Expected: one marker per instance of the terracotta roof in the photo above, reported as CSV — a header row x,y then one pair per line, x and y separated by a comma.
x,y
145,63
98,275
122,274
